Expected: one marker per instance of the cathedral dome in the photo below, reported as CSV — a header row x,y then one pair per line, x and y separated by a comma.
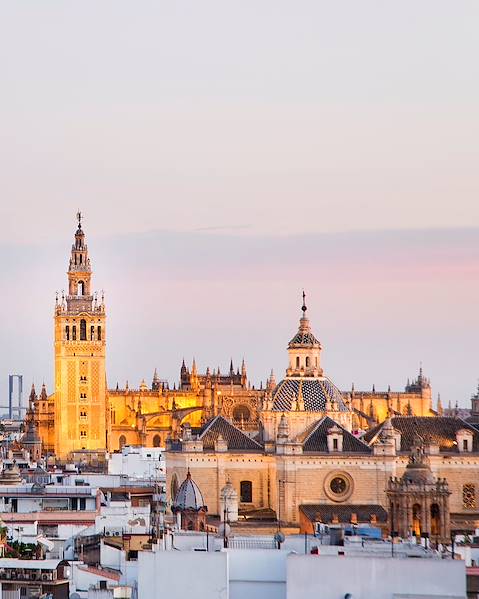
x,y
189,496
319,394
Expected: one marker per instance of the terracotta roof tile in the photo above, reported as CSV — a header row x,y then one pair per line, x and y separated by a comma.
x,y
343,512
317,440
235,438
441,430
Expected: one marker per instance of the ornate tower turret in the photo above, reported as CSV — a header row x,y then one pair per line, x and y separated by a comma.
x,y
80,349
304,349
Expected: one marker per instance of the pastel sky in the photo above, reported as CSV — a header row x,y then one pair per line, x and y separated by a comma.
x,y
226,154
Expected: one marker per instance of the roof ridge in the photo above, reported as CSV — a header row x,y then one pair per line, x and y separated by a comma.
x,y
208,426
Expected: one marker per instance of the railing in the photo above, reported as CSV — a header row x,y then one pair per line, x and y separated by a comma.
x,y
252,544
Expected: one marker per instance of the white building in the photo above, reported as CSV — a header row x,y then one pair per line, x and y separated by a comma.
x,y
146,463
273,574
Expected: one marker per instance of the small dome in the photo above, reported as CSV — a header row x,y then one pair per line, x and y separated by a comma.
x,y
189,496
420,474
315,391
10,476
418,470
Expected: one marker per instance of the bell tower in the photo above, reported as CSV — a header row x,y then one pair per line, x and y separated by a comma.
x,y
80,349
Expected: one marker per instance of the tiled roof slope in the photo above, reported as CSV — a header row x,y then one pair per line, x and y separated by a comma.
x,y
440,430
326,513
234,437
317,440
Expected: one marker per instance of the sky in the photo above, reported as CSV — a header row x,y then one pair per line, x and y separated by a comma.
x,y
227,154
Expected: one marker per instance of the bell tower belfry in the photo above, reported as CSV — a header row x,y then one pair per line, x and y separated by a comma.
x,y
80,349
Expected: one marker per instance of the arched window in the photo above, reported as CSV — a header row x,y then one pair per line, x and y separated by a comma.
x,y
92,333
416,520
435,519
122,441
81,288
82,329
98,335
74,333
81,258
156,441
307,362
246,491
67,333
241,413
297,361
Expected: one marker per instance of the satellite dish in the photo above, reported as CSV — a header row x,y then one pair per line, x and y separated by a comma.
x,y
224,530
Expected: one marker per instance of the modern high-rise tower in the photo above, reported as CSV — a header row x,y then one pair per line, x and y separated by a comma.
x,y
80,348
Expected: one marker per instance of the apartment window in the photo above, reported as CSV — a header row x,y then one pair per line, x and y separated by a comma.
x,y
82,504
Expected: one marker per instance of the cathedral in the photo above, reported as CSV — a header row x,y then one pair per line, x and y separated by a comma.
x,y
83,414
410,474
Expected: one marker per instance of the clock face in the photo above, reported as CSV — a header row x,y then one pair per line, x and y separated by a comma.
x,y
338,485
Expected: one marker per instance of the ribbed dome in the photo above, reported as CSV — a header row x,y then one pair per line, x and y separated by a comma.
x,y
315,392
304,337
189,496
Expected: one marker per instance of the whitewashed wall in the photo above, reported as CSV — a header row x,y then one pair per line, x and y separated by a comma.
x,y
331,577
178,575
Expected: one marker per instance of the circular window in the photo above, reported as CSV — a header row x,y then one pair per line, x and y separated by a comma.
x,y
338,486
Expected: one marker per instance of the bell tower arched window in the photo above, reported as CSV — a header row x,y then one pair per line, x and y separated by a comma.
x,y
307,361
82,329
81,288
99,333
67,333
74,333
297,361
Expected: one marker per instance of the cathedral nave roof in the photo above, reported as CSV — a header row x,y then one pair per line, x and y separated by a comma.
x,y
440,430
235,438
